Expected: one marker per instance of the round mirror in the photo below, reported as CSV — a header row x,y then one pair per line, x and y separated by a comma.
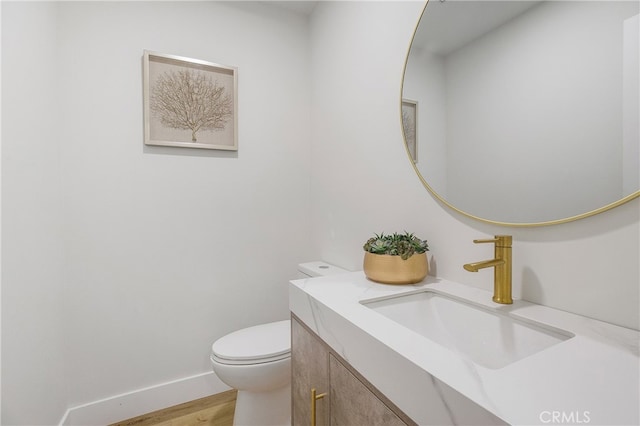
x,y
525,112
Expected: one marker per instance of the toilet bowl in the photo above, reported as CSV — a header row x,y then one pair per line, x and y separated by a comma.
x,y
257,362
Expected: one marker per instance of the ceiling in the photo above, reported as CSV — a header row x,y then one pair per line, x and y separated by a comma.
x,y
447,26
303,7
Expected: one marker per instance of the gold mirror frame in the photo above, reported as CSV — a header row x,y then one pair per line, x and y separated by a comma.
x,y
481,219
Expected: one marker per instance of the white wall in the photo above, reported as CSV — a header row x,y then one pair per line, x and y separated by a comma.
x,y
165,249
362,181
631,105
33,343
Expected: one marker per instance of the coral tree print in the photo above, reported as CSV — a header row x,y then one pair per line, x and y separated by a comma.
x,y
189,103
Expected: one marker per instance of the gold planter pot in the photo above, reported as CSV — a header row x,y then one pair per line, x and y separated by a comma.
x,y
387,269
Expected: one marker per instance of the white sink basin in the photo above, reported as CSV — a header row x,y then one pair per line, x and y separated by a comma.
x,y
488,337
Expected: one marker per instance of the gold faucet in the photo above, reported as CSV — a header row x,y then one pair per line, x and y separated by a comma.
x,y
502,268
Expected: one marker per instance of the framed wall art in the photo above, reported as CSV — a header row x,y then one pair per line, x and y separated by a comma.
x,y
189,103
410,127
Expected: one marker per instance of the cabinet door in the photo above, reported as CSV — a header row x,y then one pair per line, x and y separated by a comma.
x,y
352,403
310,370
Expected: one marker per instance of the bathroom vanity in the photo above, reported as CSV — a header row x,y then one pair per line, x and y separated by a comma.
x,y
328,390
440,352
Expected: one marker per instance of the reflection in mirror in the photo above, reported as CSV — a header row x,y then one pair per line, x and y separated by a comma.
x,y
410,126
529,110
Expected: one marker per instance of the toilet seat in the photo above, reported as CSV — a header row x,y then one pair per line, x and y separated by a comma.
x,y
254,345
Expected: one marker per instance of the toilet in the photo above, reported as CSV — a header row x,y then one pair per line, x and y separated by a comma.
x,y
257,362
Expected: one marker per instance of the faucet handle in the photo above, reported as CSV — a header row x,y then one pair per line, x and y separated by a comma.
x,y
485,241
500,240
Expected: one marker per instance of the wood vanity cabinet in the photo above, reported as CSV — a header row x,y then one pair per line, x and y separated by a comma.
x,y
310,370
343,396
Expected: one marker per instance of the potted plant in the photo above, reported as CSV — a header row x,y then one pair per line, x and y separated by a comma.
x,y
396,258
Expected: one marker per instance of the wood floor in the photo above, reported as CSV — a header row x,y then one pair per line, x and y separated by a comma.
x,y
215,410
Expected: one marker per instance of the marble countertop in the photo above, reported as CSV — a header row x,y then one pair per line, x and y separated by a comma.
x,y
591,378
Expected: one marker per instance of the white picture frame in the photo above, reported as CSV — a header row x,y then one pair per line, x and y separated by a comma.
x,y
189,103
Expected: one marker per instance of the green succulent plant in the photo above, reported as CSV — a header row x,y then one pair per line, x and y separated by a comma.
x,y
403,245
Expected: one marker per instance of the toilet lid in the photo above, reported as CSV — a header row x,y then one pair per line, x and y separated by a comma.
x,y
258,344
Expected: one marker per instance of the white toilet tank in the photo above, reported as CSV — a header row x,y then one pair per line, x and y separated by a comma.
x,y
318,268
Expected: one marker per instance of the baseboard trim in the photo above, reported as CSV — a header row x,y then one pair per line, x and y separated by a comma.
x,y
142,401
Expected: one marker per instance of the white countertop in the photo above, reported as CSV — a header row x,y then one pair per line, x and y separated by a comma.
x,y
591,378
